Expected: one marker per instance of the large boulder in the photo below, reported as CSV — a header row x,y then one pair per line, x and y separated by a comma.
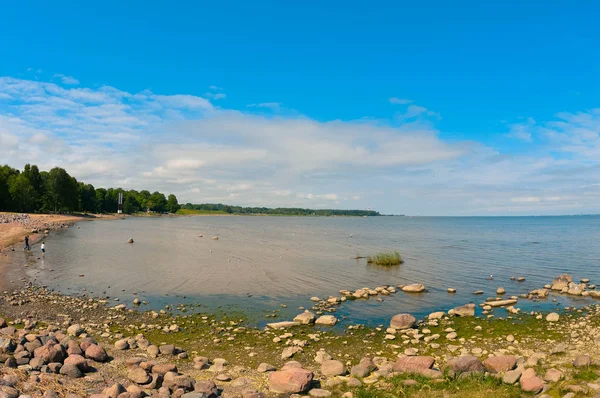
x,y
465,364
552,317
576,289
463,310
326,320
402,321
71,370
96,353
331,367
364,367
414,364
561,282
305,318
51,352
291,380
139,375
499,364
530,382
582,361
413,288
78,361
75,330
206,387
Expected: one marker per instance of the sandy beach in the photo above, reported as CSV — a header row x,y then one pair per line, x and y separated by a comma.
x,y
15,226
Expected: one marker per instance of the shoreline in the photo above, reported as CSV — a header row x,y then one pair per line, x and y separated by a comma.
x,y
353,362
409,357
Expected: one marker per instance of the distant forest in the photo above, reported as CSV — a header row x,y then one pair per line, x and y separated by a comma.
x,y
35,191
55,191
280,211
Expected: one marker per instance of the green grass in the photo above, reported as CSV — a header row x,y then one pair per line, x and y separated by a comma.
x,y
385,259
476,386
587,374
190,212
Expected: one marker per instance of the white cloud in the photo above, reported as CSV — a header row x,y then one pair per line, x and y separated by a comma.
x,y
215,96
522,131
526,199
399,101
185,145
69,80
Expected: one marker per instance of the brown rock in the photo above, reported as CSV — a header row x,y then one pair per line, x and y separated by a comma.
x,y
73,348
332,367
464,310
96,353
78,361
71,371
414,364
531,384
114,391
465,364
500,364
294,380
139,375
561,282
162,368
582,361
207,387
402,321
51,352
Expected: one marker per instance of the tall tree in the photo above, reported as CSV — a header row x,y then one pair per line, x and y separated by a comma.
x,y
172,204
87,198
158,202
6,172
22,193
62,190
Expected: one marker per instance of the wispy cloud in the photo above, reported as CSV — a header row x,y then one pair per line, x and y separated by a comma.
x,y
522,131
184,144
215,96
68,80
268,105
400,101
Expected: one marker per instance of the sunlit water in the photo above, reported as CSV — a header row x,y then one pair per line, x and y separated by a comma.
x,y
259,263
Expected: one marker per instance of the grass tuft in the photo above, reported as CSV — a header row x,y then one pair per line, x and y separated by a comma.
x,y
387,259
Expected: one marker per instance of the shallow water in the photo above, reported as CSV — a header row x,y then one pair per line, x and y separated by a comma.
x,y
260,262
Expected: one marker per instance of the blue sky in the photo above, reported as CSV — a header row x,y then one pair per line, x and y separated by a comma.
x,y
508,89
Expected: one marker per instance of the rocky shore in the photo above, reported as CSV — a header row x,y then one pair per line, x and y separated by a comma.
x,y
55,345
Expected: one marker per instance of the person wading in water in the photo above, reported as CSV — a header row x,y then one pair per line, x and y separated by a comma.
x,y
27,243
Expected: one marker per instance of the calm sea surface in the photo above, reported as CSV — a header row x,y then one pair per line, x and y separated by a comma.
x,y
259,263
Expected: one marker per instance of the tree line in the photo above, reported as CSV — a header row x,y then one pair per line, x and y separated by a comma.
x,y
32,190
280,211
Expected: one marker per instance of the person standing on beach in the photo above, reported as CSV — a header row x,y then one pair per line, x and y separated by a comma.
x,y
43,247
27,243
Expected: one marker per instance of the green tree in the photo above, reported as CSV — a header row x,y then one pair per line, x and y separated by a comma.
x,y
6,172
88,202
100,194
62,191
158,202
32,173
22,193
172,204
143,197
130,204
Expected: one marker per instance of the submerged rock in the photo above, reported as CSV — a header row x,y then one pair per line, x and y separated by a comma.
x,y
413,288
